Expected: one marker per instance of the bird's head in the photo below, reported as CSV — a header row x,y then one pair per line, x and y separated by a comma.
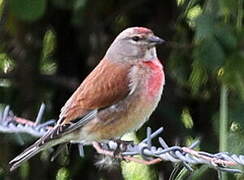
x,y
135,43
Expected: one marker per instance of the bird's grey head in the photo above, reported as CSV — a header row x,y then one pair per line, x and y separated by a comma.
x,y
135,43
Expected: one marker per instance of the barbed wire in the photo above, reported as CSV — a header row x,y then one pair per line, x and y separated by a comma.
x,y
9,123
222,161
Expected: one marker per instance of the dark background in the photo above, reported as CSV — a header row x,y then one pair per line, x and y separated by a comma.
x,y
47,47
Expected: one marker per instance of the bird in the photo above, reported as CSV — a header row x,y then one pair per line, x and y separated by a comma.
x,y
117,97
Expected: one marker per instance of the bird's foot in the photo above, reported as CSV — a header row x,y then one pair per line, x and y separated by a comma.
x,y
121,147
100,150
142,161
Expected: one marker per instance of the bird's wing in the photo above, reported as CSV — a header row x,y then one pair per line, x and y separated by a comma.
x,y
106,85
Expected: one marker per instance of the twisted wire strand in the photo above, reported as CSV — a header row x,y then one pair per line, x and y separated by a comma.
x,y
222,161
13,124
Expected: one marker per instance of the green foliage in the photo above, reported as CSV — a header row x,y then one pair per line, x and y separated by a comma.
x,y
198,76
48,66
234,72
1,7
236,130
204,27
6,64
1,172
225,36
236,117
228,7
217,59
28,10
210,54
49,41
63,174
25,170
192,14
186,118
136,171
214,42
198,173
78,11
235,142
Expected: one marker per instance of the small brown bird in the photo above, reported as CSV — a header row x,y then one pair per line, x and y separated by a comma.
x,y
117,97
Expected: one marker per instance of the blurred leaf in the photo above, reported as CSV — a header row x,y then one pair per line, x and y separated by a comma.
x,y
1,8
225,37
5,83
198,173
25,170
198,76
235,143
78,11
235,127
228,7
178,67
49,42
6,64
182,174
211,8
180,2
1,171
204,27
63,174
79,4
48,66
234,73
28,10
193,13
186,118
236,115
133,170
210,53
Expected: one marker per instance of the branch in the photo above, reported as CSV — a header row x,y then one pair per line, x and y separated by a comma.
x,y
222,161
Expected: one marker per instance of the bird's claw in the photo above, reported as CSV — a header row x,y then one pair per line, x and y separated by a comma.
x,y
121,147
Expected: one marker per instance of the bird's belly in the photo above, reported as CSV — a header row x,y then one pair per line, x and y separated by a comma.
x,y
112,124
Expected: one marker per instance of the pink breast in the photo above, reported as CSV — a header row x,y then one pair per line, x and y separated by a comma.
x,y
156,78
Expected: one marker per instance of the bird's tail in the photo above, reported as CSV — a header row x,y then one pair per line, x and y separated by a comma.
x,y
58,135
31,151
24,156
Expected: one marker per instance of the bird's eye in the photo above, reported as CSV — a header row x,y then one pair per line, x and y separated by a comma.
x,y
136,38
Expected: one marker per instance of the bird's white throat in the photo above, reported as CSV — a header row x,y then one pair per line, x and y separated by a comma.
x,y
150,54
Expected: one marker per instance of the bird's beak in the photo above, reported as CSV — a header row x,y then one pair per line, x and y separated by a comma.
x,y
155,40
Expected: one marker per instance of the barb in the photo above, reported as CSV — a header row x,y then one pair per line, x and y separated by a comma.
x,y
222,161
13,124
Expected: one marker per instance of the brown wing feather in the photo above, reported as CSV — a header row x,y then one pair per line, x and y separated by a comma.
x,y
104,86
